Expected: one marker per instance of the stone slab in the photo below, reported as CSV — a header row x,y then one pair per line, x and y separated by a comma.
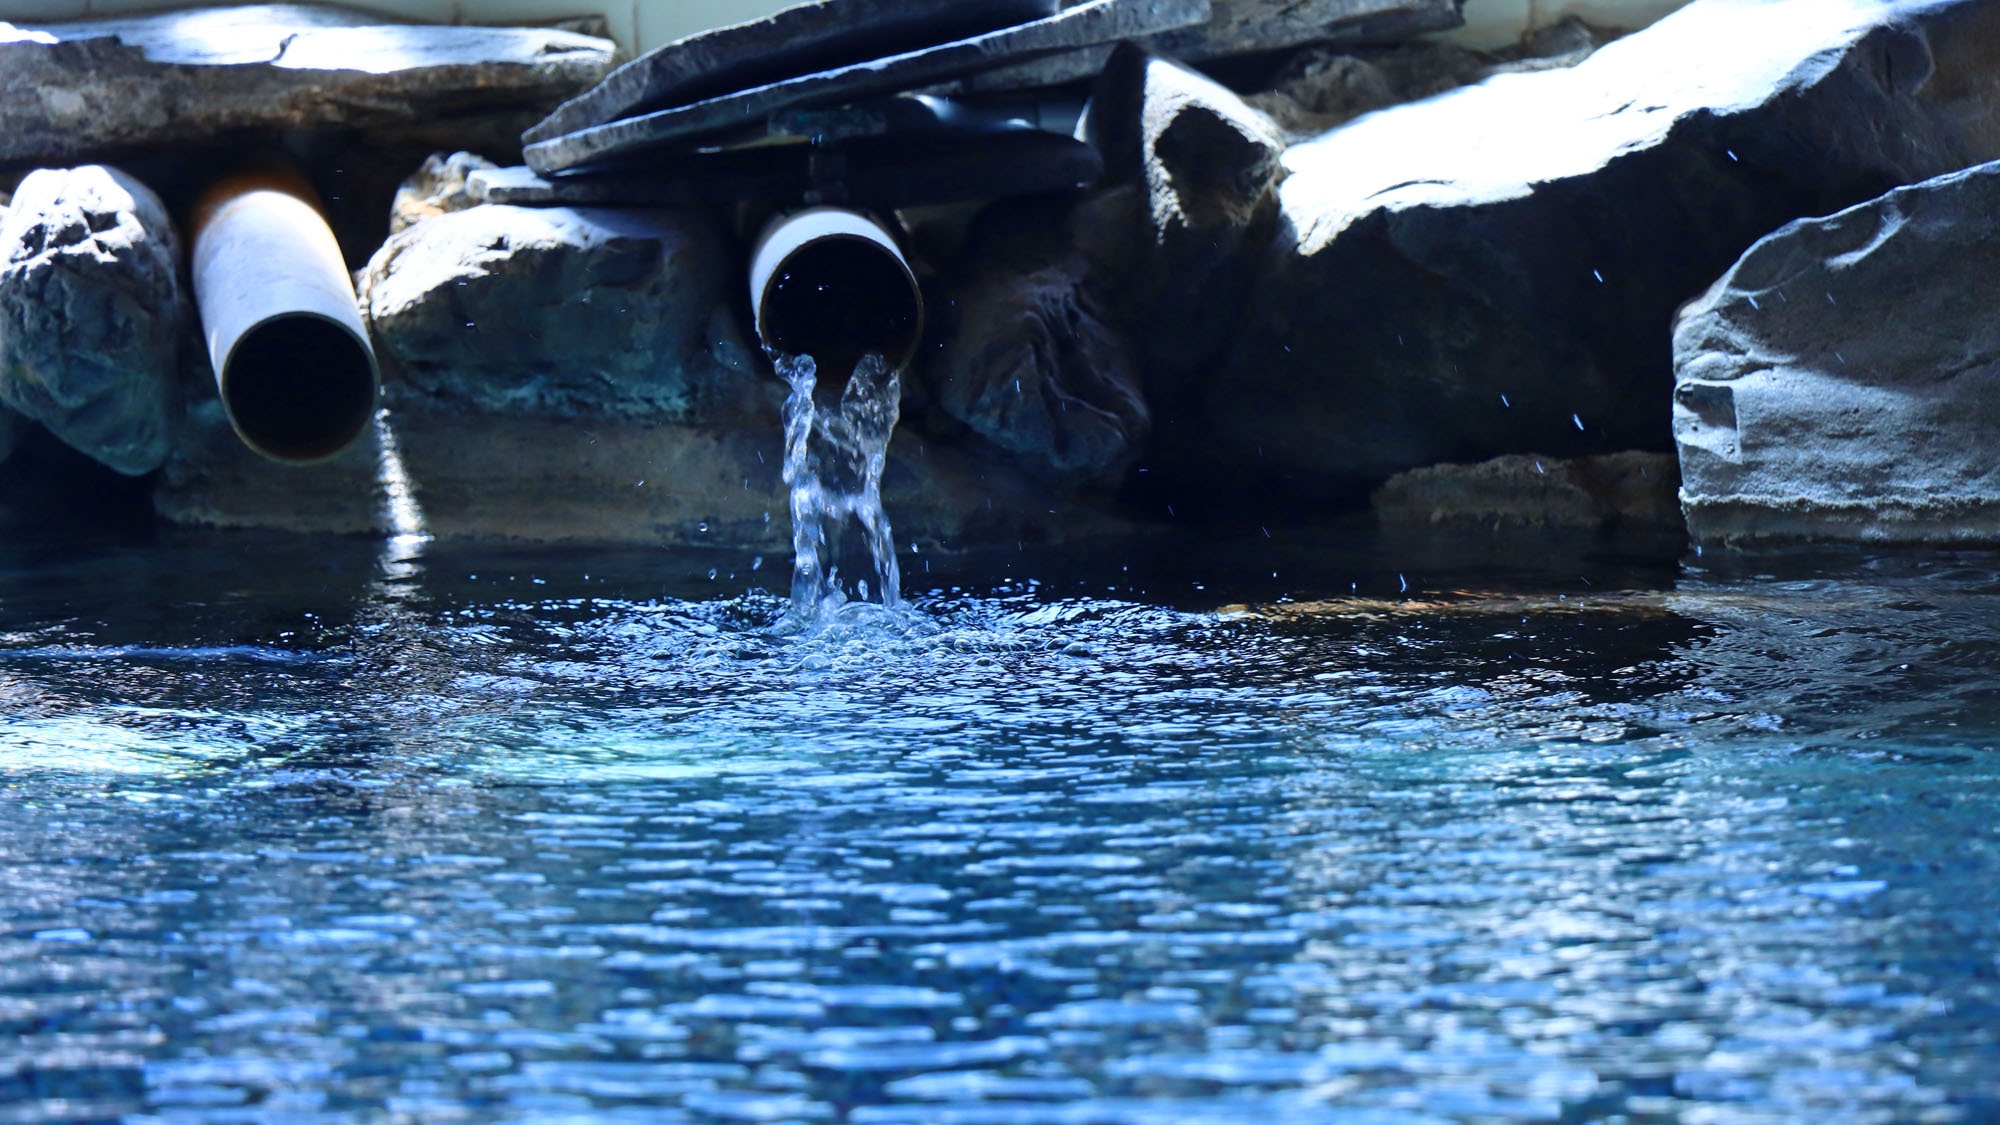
x,y
1090,24
798,40
71,90
1842,382
866,172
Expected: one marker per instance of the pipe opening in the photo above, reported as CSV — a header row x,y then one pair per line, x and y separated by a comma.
x,y
839,298
299,388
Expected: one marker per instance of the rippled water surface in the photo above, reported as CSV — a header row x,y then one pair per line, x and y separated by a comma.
x,y
296,831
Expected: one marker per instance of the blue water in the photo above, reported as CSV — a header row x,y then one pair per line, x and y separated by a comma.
x,y
300,831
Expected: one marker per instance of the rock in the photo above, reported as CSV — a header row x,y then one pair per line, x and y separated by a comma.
x,y
437,188
184,78
92,314
1240,27
481,476
10,424
1628,494
796,40
557,312
1490,271
1087,24
1842,382
1210,166
1036,364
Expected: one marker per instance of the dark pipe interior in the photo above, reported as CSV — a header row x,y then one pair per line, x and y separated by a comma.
x,y
839,299
299,388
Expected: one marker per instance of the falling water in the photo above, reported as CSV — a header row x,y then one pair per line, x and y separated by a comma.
x,y
833,465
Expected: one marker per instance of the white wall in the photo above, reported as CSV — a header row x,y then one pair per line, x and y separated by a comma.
x,y
1500,23
645,24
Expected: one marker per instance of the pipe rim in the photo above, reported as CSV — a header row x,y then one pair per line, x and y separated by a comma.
x,y
347,441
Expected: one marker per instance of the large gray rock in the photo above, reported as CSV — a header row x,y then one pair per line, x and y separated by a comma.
x,y
92,314
557,312
1493,270
1842,382
1035,362
72,89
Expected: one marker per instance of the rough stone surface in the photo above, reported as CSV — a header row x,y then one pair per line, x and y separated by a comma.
x,y
557,312
480,476
183,78
437,188
1238,27
1493,270
1035,362
1087,24
1210,166
1626,494
92,314
1842,382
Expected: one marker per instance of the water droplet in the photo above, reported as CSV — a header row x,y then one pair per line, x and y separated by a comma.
x,y
1405,584
1505,403
703,526
711,574
1578,420
757,563
1598,276
1732,154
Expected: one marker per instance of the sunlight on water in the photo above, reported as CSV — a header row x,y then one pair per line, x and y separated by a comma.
x,y
834,459
540,837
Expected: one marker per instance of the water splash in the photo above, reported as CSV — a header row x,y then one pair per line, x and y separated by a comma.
x,y
833,465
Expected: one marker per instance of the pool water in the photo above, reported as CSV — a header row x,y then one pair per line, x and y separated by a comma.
x,y
300,830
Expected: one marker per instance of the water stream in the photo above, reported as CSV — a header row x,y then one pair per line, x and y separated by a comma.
x,y
833,465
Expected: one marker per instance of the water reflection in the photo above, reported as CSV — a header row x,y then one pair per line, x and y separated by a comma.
x,y
536,836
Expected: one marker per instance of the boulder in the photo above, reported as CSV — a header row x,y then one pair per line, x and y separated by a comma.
x,y
1035,362
191,77
1493,270
480,476
1842,382
1626,494
1210,166
92,314
437,188
558,312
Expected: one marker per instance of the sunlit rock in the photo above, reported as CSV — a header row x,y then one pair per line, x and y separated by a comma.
x,y
189,77
557,312
1494,270
1627,494
1842,382
92,314
436,188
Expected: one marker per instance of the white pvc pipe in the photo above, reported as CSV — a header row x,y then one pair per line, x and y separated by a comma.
x,y
293,364
887,319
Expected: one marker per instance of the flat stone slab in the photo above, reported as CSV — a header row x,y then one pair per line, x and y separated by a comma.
x,y
796,41
1087,25
886,172
71,90
1240,27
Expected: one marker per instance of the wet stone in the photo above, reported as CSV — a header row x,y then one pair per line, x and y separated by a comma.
x,y
182,78
93,317
1628,494
437,188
